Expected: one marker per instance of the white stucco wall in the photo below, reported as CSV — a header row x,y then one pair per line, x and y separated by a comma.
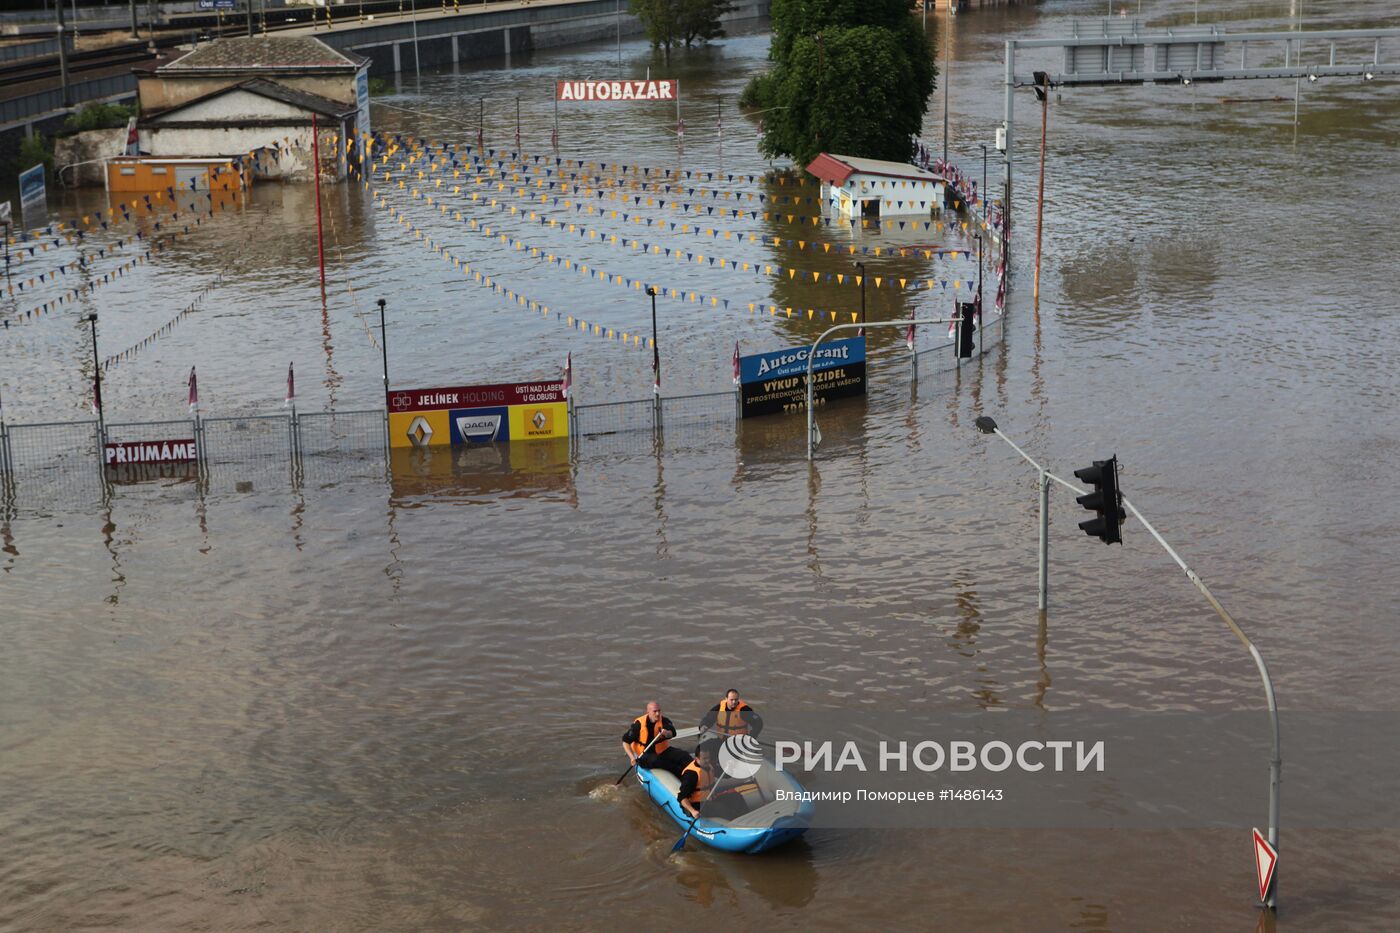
x,y
294,164
235,105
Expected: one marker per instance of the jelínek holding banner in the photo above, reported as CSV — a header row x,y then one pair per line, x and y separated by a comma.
x,y
525,411
777,382
616,90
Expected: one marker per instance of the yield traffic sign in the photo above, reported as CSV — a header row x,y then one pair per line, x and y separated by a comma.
x,y
1265,861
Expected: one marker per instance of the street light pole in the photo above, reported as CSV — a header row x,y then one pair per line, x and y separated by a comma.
x,y
91,319
984,179
947,68
384,347
989,426
655,347
860,267
814,436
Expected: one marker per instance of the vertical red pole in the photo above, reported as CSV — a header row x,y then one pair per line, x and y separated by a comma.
x,y
316,173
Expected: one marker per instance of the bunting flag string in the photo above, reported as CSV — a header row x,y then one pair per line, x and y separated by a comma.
x,y
502,165
118,358
636,171
780,271
685,295
154,244
83,260
475,275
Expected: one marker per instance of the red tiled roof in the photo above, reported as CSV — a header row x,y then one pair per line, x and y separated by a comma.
x,y
830,169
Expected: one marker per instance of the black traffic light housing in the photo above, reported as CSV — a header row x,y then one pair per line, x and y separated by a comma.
x,y
1042,85
965,328
1106,501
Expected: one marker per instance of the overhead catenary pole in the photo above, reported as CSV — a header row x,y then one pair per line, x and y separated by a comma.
x,y
250,19
988,426
947,68
63,55
135,34
417,69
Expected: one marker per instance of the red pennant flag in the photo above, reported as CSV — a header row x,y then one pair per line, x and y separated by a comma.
x,y
736,362
194,391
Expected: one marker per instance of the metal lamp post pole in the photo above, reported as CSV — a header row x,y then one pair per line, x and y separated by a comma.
x,y
984,179
384,346
860,266
814,435
655,364
981,324
988,426
96,375
947,68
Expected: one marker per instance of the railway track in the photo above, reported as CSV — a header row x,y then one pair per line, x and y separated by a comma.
x,y
21,77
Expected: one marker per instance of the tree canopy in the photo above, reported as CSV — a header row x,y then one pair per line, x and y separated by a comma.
x,y
675,22
849,76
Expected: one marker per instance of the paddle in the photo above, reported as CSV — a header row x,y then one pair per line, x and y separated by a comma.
x,y
680,843
682,734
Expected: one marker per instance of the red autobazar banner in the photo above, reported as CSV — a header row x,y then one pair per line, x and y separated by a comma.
x,y
667,89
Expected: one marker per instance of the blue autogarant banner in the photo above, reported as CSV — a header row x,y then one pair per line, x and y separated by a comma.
x,y
777,381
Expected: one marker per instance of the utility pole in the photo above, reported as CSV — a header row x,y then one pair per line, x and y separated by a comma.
x,y
947,67
134,33
63,55
250,18
1042,90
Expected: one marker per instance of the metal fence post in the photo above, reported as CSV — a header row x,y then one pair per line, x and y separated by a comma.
x,y
1044,601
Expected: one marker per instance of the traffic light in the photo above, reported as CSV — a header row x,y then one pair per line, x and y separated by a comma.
x,y
966,327
1105,501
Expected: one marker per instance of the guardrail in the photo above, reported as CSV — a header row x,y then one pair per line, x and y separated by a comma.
x,y
19,109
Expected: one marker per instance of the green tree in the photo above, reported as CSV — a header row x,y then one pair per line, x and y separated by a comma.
x,y
34,150
849,76
670,23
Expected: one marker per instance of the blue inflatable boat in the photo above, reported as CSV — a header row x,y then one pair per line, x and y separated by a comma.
x,y
769,822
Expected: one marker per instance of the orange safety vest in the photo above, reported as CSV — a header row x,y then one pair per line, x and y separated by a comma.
x,y
731,721
644,734
703,783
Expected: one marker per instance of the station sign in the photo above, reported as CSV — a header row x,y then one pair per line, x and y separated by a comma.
x,y
612,91
217,4
180,450
771,383
524,411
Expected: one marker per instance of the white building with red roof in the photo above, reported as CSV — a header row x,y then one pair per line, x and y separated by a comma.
x,y
855,187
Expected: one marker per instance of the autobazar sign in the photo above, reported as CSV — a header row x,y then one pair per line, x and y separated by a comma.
x,y
518,411
666,89
777,382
